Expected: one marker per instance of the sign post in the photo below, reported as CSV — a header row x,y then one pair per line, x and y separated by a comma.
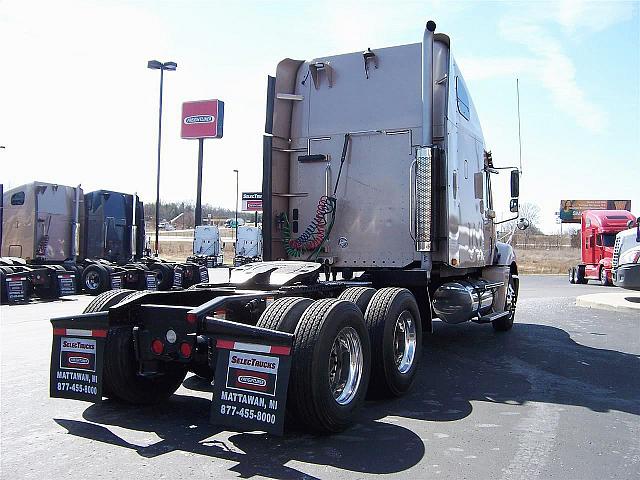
x,y
201,119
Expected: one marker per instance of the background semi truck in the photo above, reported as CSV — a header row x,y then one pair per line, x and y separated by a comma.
x,y
57,240
374,163
625,263
598,231
248,246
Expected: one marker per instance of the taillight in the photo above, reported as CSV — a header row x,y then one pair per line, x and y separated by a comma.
x,y
157,347
185,349
192,318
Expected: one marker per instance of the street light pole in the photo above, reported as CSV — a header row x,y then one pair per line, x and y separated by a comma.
x,y
158,168
237,194
170,66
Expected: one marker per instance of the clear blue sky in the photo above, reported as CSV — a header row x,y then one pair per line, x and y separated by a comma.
x,y
78,104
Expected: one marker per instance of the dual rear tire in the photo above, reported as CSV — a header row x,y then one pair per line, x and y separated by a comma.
x,y
364,342
120,371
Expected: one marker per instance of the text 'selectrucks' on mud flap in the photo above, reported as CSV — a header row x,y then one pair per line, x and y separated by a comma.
x,y
251,364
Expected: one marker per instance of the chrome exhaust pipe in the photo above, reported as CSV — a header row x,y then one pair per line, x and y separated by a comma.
x,y
427,84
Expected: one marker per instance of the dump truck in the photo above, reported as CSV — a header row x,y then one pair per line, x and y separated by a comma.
x,y
598,230
378,220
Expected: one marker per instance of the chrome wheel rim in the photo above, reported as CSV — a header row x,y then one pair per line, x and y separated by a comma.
x,y
345,365
92,280
404,341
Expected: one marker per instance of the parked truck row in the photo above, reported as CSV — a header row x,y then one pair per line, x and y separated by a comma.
x,y
378,218
58,241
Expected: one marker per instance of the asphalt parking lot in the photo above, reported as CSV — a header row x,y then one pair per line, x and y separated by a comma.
x,y
557,397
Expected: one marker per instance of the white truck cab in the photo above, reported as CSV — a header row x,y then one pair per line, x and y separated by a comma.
x,y
626,258
206,245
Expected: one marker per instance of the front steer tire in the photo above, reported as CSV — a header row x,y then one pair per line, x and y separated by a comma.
x,y
310,397
120,377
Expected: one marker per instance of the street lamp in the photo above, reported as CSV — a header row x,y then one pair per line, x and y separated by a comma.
x,y
169,66
237,194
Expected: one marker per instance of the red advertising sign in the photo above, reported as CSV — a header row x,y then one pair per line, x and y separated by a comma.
x,y
202,119
251,201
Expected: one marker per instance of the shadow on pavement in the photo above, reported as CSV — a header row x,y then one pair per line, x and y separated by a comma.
x,y
460,365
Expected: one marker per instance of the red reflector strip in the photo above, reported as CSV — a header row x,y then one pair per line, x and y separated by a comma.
x,y
75,332
280,350
253,347
226,344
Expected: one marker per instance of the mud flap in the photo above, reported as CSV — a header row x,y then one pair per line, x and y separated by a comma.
x,y
116,281
66,284
250,387
17,286
151,281
177,276
77,356
204,274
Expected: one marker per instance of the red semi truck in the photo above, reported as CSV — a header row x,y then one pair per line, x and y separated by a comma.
x,y
598,235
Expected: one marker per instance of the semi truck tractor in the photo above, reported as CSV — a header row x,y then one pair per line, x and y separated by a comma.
x,y
598,229
374,166
58,241
40,241
206,246
248,246
625,263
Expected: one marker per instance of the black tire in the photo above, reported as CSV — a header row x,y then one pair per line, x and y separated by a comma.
x,y
361,296
580,275
3,284
106,300
95,279
604,280
383,318
310,397
506,323
164,275
284,314
572,275
120,372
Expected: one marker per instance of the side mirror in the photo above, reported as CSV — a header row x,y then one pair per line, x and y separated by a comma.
x,y
515,184
513,205
523,223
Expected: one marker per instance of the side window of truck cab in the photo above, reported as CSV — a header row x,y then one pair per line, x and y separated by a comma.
x,y
463,99
17,198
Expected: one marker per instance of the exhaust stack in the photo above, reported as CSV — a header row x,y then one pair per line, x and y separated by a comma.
x,y
75,226
427,84
134,228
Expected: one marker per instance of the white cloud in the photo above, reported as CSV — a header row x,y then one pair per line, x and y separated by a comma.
x,y
530,26
556,71
575,15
